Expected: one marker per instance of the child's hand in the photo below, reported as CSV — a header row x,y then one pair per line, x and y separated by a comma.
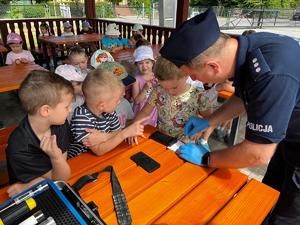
x,y
132,140
15,189
49,146
18,61
23,60
95,137
137,128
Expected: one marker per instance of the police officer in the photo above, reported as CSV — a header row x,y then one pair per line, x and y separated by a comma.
x,y
265,70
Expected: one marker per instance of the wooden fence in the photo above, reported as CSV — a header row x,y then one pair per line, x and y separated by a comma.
x,y
29,29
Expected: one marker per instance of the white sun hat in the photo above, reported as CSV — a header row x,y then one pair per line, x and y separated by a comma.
x,y
112,29
143,52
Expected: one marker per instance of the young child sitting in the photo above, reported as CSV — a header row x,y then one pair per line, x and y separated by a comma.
x,y
17,55
138,29
145,81
110,41
67,29
37,148
73,75
124,109
175,100
95,125
78,58
101,56
131,42
45,31
87,29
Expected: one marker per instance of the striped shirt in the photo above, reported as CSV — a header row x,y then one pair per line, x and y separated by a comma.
x,y
82,119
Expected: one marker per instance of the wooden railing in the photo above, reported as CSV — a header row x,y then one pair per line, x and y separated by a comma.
x,y
29,29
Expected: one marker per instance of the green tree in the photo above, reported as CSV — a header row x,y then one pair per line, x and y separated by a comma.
x,y
4,2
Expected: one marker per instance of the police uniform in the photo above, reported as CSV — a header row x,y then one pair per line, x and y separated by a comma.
x,y
267,79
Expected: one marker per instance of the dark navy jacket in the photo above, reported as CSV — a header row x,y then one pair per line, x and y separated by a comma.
x,y
267,79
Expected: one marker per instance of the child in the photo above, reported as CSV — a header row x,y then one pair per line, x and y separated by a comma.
x,y
110,41
142,42
175,100
145,81
101,56
95,125
131,42
78,58
45,31
67,29
75,76
17,55
124,109
86,28
138,29
37,148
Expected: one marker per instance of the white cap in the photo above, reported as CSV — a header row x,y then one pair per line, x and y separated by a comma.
x,y
70,73
143,52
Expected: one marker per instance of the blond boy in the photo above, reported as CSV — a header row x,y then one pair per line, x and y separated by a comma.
x,y
37,148
95,125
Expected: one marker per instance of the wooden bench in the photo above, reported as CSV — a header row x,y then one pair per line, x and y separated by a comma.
x,y
4,135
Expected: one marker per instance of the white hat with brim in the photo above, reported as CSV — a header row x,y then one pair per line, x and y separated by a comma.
x,y
142,53
70,73
112,29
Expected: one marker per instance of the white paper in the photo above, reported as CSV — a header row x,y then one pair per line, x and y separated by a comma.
x,y
175,146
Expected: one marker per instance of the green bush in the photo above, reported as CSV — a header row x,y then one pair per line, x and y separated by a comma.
x,y
34,11
104,10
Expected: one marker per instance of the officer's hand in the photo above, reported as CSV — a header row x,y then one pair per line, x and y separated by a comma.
x,y
195,125
192,153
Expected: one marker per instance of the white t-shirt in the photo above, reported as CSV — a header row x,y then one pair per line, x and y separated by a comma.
x,y
124,112
12,57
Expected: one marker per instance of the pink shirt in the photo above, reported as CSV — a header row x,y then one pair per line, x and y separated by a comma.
x,y
12,57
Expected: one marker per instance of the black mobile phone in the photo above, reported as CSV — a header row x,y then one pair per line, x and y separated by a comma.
x,y
163,138
145,161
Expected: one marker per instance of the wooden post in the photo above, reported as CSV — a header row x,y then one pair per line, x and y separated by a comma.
x,y
90,9
182,11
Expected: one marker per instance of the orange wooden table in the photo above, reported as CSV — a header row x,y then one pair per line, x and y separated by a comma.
x,y
12,76
127,54
53,41
176,193
179,192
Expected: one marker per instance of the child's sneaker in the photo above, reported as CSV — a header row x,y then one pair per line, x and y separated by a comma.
x,y
204,144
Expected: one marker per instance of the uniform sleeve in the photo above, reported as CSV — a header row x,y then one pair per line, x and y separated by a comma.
x,y
79,124
269,104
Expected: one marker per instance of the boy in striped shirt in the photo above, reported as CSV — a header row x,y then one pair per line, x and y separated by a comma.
x,y
95,125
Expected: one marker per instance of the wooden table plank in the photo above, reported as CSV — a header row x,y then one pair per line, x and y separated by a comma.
x,y
153,202
81,38
201,204
134,180
149,147
12,76
88,160
250,206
